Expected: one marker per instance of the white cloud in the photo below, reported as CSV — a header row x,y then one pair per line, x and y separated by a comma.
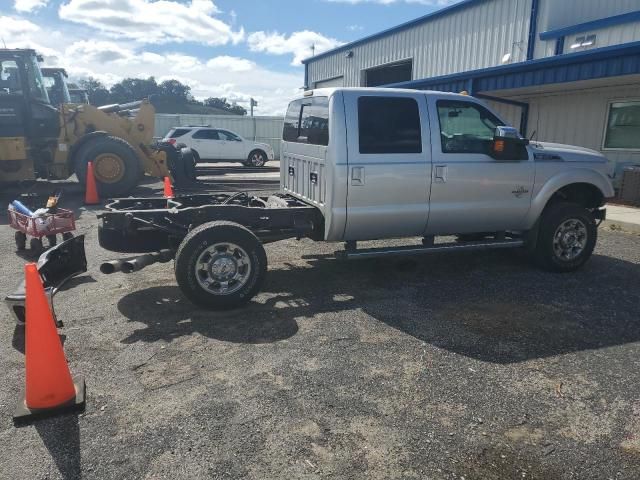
x,y
29,5
234,64
301,44
355,28
153,21
13,26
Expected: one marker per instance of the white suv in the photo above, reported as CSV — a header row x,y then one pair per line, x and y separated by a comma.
x,y
217,144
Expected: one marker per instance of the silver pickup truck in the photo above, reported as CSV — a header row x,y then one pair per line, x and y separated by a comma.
x,y
370,164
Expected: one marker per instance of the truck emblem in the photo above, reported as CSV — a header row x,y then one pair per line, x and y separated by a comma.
x,y
520,191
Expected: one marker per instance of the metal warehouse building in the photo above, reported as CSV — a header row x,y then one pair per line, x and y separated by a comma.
x,y
565,71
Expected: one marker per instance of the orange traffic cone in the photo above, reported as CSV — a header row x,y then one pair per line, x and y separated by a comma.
x,y
91,193
49,388
168,188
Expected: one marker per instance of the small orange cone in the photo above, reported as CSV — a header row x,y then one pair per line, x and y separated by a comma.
x,y
49,388
168,188
91,193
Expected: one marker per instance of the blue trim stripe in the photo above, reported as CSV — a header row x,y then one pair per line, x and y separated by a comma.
x,y
403,26
603,62
593,25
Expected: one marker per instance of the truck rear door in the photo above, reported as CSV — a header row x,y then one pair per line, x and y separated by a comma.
x,y
389,164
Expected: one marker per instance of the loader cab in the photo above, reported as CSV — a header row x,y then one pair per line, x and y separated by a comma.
x,y
79,96
25,109
55,81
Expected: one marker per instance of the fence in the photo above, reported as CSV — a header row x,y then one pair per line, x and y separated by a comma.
x,y
261,129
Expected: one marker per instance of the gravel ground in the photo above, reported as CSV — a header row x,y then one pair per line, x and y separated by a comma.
x,y
474,366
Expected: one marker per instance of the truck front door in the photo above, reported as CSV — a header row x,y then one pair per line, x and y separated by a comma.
x,y
471,191
389,160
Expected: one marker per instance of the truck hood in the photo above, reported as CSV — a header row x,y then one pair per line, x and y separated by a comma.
x,y
568,153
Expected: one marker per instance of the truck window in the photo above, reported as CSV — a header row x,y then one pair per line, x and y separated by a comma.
x,y
466,127
307,121
389,125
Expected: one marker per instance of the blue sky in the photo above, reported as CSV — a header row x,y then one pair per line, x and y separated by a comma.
x,y
236,49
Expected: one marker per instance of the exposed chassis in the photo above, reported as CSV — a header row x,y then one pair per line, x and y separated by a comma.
x,y
152,224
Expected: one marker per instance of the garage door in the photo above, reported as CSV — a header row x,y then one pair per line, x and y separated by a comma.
x,y
331,83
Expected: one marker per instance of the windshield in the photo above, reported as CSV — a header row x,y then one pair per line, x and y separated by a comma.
x,y
35,81
57,88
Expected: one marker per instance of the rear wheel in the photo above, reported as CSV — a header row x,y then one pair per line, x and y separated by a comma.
x,y
36,247
566,239
220,265
115,165
257,158
21,240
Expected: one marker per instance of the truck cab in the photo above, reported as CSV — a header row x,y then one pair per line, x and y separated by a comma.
x,y
387,163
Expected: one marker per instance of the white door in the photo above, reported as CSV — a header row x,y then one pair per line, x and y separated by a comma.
x,y
471,191
231,146
205,143
389,160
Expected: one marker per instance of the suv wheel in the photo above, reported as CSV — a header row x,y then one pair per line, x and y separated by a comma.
x,y
566,239
257,158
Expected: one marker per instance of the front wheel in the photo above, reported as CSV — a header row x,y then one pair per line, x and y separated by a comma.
x,y
256,158
220,265
566,239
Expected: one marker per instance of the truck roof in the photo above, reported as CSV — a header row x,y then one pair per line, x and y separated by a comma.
x,y
328,91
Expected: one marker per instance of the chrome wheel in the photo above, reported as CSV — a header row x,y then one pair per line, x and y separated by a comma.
x,y
223,268
570,239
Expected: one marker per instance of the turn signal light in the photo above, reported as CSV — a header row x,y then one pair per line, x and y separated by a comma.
x,y
498,146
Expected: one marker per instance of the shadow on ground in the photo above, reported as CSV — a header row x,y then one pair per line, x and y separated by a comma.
x,y
61,437
493,306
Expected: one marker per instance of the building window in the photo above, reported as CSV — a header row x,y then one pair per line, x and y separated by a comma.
x,y
623,126
583,42
391,73
389,125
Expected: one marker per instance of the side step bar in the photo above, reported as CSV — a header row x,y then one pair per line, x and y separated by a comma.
x,y
421,250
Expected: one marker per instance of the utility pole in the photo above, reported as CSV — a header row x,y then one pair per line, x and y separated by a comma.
x,y
252,104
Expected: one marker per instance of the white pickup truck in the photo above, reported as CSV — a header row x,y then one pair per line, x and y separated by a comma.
x,y
368,164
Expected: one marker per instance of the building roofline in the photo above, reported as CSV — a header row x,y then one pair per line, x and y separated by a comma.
x,y
398,28
531,65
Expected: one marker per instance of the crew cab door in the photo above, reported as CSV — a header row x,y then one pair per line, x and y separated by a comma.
x,y
389,164
471,191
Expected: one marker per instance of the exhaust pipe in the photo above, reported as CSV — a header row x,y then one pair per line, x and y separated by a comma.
x,y
111,267
138,263
135,264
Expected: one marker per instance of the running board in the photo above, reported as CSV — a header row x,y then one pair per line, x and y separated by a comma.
x,y
421,250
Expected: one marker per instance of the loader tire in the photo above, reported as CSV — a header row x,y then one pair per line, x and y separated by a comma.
x,y
116,166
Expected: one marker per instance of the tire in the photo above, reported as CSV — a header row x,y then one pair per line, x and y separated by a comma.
x,y
21,241
183,167
52,240
257,159
196,156
566,238
36,247
117,152
237,254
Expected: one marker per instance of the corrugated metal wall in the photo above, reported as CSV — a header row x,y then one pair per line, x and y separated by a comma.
x,y
556,14
267,129
471,38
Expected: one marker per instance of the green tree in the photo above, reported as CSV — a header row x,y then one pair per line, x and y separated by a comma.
x,y
98,93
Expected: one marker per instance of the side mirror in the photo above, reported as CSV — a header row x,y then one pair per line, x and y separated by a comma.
x,y
508,144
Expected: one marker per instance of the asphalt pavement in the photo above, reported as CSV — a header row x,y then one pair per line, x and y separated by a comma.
x,y
450,366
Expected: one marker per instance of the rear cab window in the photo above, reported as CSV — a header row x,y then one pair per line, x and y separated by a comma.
x,y
307,121
178,132
389,125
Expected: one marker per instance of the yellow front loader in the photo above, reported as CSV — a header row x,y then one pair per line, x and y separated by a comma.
x,y
38,140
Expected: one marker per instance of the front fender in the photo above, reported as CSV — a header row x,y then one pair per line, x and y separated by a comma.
x,y
560,180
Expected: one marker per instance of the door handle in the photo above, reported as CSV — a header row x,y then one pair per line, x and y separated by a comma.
x,y
440,174
357,176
